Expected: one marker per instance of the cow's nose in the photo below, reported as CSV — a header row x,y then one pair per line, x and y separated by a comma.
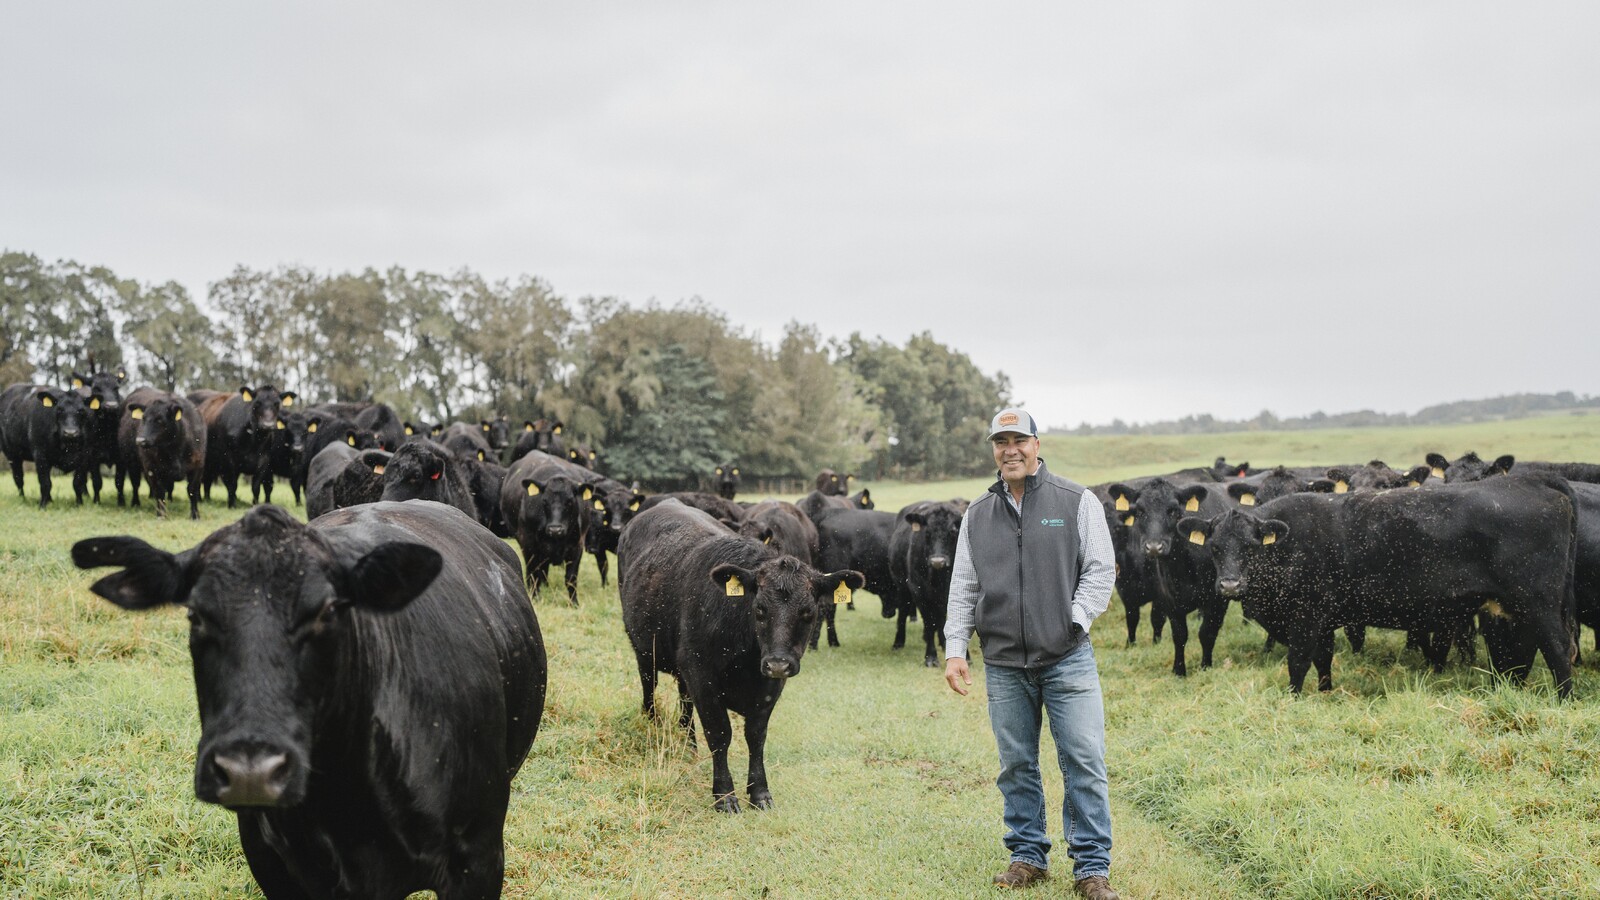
x,y
776,667
556,531
1154,548
142,442
938,563
250,778
1231,587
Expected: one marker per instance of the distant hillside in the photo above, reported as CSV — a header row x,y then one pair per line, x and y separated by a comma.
x,y
1511,406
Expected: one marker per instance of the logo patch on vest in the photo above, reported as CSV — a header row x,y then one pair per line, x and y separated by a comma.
x,y
1053,523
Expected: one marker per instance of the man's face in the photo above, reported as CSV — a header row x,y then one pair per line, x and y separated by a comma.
x,y
1015,454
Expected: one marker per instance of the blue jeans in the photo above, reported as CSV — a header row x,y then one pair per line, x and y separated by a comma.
x,y
1069,692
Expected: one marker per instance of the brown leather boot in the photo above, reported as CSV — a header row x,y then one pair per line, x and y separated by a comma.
x,y
1096,887
1020,875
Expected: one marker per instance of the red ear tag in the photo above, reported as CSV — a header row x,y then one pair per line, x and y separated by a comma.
x,y
435,476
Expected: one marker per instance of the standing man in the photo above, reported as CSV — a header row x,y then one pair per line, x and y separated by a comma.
x,y
1034,567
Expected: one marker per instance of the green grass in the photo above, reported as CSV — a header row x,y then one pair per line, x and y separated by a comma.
x,y
1398,784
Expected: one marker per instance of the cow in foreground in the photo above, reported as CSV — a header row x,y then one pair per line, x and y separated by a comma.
x,y
368,686
729,618
1421,560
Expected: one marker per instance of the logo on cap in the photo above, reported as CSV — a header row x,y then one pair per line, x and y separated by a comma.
x,y
1009,419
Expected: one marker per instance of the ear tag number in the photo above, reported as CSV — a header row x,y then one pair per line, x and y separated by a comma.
x,y
533,489
1122,502
1198,538
1247,499
841,594
735,587
1192,505
1268,538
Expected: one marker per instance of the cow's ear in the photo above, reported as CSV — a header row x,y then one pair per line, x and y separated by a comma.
x,y
1189,498
482,456
526,425
391,575
1271,531
149,577
866,496
1320,486
409,429
1417,475
917,520
287,398
1122,496
634,501
46,398
735,581
1502,465
135,411
78,381
1241,468
246,394
375,460
122,376
1341,480
835,587
1194,529
484,424
1437,463
532,488
1243,492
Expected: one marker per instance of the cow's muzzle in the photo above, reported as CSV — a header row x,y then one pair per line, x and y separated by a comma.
x,y
938,563
244,775
779,667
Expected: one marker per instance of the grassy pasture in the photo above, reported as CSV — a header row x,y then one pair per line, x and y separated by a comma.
x,y
1398,784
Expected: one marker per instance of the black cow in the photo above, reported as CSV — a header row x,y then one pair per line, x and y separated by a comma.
x,y
1222,470
1420,560
342,476
922,554
784,526
862,499
858,539
729,512
547,510
1471,468
46,426
726,616
612,506
385,426
816,504
1374,476
484,478
418,431
833,484
102,394
1266,487
324,427
727,480
240,429
1179,579
289,450
368,687
466,441
582,455
543,435
163,438
423,470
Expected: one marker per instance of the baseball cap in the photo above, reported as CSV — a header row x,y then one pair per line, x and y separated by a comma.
x,y
1013,419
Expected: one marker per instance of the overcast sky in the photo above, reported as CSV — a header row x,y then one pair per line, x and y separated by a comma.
x,y
1133,210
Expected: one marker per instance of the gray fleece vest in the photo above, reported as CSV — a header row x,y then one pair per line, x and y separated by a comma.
x,y
1027,567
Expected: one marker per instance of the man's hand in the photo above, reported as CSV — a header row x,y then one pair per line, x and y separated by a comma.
x,y
956,674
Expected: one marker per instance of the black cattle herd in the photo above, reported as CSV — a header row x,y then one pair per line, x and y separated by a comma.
x,y
369,683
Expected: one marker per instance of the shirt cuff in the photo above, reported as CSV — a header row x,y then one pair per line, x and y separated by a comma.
x,y
1081,616
954,647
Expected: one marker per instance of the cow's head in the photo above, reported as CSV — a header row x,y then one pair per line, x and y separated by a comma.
x,y
935,528
160,422
102,392
497,431
1468,468
728,479
291,435
785,597
832,484
555,507
1153,511
421,470
613,509
268,601
266,403
862,499
1235,541
68,410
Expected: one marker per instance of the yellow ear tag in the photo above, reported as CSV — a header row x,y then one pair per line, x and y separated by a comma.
x,y
1341,487
735,587
1197,537
533,490
485,428
1128,521
719,470
1192,505
350,439
286,402
1437,472
177,416
94,403
557,430
1247,499
280,424
48,402
634,506
1269,538
591,456
377,469
766,540
312,428
526,427
77,382
587,492
1411,482
735,471
247,396
841,594
480,456
1122,502
135,413
409,431
600,506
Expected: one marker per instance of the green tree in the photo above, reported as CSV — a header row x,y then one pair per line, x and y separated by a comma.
x,y
673,428
171,341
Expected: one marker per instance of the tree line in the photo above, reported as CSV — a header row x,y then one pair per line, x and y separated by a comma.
x,y
1509,406
668,392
